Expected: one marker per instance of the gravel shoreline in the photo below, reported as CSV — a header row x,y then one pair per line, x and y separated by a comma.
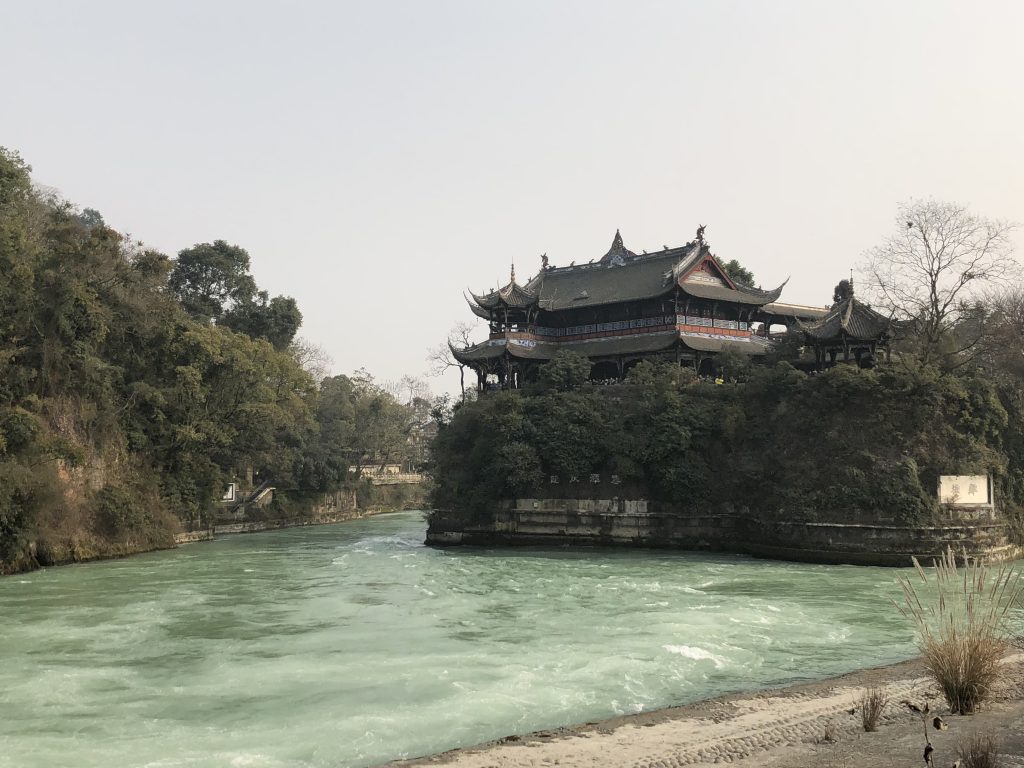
x,y
803,725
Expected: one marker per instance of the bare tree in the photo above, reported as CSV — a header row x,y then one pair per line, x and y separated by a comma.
x,y
939,262
312,358
406,389
414,388
440,358
1002,349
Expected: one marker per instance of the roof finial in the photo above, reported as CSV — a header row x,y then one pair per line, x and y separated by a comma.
x,y
618,253
513,270
851,281
543,261
700,235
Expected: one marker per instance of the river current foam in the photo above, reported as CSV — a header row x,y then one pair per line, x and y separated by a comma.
x,y
353,644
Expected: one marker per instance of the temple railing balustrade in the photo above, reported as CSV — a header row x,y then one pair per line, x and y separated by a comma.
x,y
660,323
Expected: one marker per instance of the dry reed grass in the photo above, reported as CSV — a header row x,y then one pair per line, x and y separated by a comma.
x,y
962,625
872,704
979,750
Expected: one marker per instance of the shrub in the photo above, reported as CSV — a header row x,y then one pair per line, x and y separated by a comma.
x,y
980,750
565,372
119,510
872,704
962,625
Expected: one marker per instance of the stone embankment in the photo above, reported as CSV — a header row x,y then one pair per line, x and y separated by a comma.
x,y
619,522
255,526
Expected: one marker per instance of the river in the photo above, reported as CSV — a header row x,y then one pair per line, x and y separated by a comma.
x,y
353,644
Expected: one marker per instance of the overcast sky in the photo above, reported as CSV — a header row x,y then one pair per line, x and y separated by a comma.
x,y
378,158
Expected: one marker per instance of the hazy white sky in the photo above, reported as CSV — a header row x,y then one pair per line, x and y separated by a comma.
x,y
377,158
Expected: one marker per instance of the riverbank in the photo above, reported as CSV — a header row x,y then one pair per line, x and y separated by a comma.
x,y
809,725
257,526
71,544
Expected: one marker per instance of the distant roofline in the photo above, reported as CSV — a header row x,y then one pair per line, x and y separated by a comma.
x,y
785,305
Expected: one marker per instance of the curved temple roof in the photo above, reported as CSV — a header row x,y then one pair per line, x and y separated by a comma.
x,y
622,275
849,317
512,295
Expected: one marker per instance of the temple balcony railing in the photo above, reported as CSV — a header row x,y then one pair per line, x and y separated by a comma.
x,y
657,324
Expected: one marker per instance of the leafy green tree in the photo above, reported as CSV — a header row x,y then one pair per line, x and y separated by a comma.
x,y
360,425
90,217
209,278
738,273
277,320
565,372
569,431
732,365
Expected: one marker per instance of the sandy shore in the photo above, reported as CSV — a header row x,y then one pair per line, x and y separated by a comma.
x,y
812,724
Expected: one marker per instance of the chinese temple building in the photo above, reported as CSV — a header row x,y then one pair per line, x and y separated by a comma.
x,y
851,331
678,304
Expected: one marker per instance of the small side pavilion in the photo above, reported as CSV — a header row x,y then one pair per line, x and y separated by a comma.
x,y
851,331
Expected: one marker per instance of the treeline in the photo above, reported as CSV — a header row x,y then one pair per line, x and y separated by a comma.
x,y
133,385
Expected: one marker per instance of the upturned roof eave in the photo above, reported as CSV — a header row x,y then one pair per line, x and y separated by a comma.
x,y
740,295
851,320
512,296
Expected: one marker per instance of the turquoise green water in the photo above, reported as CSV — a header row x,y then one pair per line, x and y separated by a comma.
x,y
352,644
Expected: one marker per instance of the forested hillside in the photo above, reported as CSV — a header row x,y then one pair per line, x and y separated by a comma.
x,y
133,385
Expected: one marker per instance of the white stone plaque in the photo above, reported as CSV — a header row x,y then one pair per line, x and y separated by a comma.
x,y
966,490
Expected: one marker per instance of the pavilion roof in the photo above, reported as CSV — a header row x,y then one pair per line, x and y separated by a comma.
x,y
512,295
850,318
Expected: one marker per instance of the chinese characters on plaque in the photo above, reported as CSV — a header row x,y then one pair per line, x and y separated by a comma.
x,y
964,489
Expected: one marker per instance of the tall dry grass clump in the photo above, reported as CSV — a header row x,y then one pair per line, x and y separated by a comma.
x,y
980,750
962,618
872,704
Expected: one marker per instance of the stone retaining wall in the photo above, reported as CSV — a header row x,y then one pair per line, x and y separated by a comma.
x,y
619,522
255,526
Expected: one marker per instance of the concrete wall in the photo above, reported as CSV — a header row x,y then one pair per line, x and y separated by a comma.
x,y
619,522
254,526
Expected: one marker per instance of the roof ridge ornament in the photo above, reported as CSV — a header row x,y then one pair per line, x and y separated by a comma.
x,y
700,234
618,254
513,276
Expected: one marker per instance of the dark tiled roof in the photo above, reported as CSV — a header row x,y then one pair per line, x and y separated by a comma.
x,y
849,317
741,295
512,295
621,345
589,285
800,311
477,310
621,275
610,347
755,346
642,277
545,350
